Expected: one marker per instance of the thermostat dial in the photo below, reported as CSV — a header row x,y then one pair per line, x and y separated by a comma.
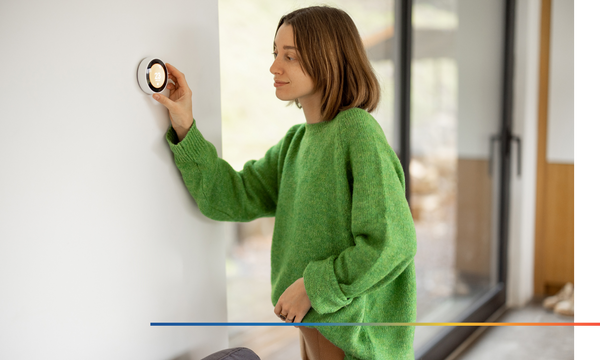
x,y
152,75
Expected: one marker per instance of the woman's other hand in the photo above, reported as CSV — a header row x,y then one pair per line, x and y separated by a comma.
x,y
179,102
294,303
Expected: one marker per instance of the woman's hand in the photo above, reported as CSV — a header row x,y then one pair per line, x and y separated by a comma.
x,y
294,303
179,102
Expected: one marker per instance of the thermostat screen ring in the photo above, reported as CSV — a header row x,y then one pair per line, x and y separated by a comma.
x,y
148,80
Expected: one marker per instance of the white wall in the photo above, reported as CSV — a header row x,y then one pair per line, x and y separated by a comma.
x,y
561,129
98,235
521,243
560,148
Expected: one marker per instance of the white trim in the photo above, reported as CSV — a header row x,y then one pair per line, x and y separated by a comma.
x,y
521,241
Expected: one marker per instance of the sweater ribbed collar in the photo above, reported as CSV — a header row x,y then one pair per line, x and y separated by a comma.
x,y
316,128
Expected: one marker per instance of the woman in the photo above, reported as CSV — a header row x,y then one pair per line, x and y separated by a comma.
x,y
344,240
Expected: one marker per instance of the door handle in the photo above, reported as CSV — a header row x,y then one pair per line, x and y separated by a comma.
x,y
495,138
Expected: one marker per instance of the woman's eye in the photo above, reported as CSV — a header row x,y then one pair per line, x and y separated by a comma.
x,y
287,57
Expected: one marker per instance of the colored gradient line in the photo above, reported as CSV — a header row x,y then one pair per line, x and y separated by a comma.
x,y
373,324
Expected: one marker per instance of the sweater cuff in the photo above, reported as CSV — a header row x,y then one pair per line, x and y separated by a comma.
x,y
192,147
322,287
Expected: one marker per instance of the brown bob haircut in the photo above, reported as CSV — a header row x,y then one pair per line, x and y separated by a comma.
x,y
331,52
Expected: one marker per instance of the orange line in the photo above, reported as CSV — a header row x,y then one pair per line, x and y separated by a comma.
x,y
505,324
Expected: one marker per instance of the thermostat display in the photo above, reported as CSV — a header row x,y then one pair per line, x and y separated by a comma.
x,y
152,75
157,75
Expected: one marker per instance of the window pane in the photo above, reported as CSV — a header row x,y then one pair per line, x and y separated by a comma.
x,y
456,107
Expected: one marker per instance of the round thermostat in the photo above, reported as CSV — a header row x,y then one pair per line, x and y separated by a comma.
x,y
152,75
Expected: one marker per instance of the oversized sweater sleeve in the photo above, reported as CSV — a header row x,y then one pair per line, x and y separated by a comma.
x,y
381,224
220,192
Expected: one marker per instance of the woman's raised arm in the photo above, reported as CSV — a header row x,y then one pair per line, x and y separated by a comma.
x,y
179,102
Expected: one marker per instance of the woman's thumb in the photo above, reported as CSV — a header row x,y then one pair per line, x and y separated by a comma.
x,y
163,100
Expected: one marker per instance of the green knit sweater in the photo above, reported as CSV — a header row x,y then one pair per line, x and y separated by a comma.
x,y
336,189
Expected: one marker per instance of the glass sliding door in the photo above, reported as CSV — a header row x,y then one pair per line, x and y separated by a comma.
x,y
457,114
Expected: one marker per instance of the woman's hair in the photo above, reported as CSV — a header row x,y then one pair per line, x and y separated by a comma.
x,y
331,52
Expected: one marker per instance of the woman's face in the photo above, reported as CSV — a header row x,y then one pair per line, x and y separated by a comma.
x,y
290,80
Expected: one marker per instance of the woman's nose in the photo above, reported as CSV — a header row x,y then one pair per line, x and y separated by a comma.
x,y
275,68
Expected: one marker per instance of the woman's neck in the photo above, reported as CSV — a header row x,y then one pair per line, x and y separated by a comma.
x,y
312,108
312,116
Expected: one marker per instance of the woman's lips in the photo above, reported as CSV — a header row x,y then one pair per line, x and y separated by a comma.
x,y
279,83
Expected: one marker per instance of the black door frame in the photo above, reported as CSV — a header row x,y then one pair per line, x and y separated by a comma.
x,y
445,342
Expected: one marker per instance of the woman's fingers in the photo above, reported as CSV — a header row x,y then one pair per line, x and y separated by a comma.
x,y
293,304
164,100
298,318
277,309
173,78
179,102
283,313
178,76
292,318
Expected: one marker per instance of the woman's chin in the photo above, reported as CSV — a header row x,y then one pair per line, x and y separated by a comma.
x,y
283,98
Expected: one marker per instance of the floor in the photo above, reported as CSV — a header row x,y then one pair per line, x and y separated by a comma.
x,y
269,342
525,342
